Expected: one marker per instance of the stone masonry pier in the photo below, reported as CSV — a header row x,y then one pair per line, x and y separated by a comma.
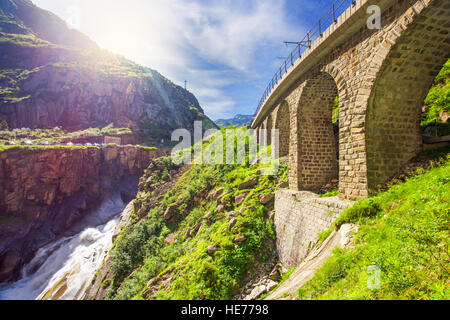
x,y
381,77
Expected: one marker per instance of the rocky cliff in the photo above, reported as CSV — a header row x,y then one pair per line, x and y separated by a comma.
x,y
53,76
46,191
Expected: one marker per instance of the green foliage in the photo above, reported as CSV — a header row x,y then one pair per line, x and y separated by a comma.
x,y
332,193
57,135
404,232
438,98
335,113
143,252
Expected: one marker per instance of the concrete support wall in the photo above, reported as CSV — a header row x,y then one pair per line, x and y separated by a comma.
x,y
299,217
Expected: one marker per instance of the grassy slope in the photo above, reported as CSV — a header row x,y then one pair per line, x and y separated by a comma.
x,y
142,251
57,135
438,100
405,232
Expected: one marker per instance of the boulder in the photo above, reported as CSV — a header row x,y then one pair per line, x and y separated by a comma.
x,y
256,292
239,199
240,239
267,198
275,275
283,185
169,213
248,184
214,195
270,285
232,223
212,250
153,282
194,230
208,218
170,239
272,215
221,208
230,215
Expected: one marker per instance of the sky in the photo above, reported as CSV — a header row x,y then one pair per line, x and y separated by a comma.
x,y
226,50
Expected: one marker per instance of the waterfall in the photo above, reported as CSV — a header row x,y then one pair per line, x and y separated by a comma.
x,y
63,269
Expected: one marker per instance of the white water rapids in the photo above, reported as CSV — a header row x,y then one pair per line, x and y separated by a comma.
x,y
62,269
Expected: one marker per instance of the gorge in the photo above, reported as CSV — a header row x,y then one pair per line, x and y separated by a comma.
x,y
47,192
337,173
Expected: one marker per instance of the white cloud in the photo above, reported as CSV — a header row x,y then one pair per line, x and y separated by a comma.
x,y
212,45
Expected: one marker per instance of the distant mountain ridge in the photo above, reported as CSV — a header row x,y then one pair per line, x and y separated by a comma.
x,y
238,121
53,76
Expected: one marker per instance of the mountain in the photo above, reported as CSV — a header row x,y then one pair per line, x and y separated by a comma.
x,y
53,76
238,121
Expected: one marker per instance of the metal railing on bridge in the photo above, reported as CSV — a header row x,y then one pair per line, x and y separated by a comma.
x,y
330,17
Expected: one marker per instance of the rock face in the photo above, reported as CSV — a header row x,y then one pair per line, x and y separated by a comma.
x,y
49,80
45,192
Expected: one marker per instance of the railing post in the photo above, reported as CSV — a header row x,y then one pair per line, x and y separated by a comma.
x,y
309,39
334,14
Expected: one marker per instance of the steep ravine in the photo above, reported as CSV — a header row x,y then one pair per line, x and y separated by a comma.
x,y
47,193
62,269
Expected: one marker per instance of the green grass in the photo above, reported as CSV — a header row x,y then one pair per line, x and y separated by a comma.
x,y
331,193
141,253
59,147
335,112
57,135
38,147
438,100
405,233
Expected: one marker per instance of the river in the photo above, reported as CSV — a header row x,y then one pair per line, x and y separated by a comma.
x,y
62,269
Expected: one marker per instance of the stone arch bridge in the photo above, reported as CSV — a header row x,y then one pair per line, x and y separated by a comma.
x,y
381,77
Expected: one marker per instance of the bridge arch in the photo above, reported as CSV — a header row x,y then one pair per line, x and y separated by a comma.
x,y
316,148
407,61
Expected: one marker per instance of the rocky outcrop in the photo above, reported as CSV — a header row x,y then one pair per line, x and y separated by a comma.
x,y
143,203
47,81
44,192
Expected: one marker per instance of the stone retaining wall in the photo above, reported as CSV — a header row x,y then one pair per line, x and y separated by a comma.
x,y
299,217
